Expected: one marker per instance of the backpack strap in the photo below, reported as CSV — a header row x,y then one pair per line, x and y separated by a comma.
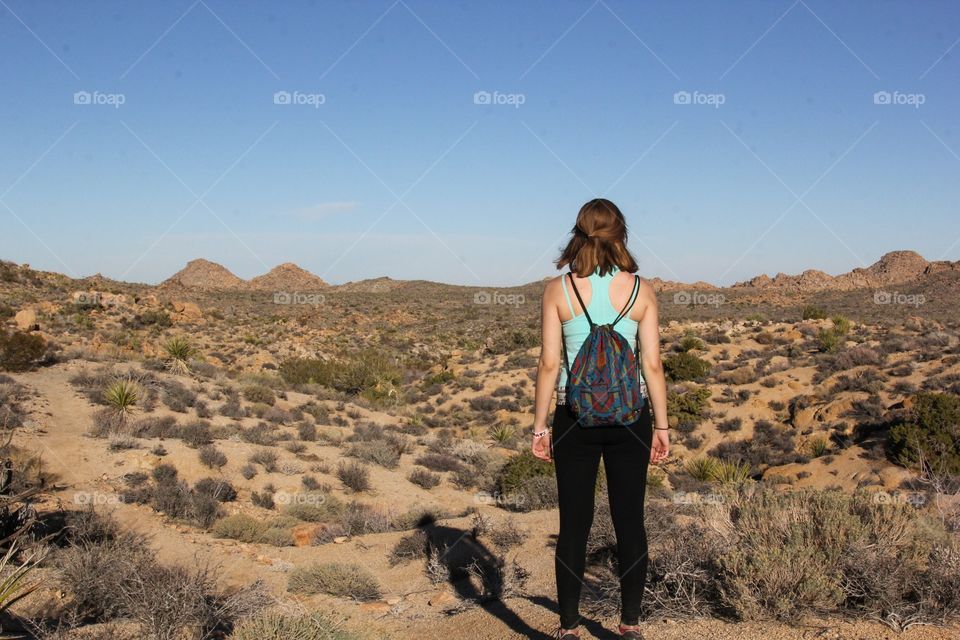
x,y
630,302
580,300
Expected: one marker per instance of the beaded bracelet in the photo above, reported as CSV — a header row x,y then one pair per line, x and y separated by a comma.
x,y
540,434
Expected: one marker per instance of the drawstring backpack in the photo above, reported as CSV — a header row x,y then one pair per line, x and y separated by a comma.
x,y
604,385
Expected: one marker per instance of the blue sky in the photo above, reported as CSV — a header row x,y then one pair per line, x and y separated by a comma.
x,y
386,161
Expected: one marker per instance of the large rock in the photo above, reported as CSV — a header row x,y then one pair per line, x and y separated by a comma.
x,y
26,320
186,313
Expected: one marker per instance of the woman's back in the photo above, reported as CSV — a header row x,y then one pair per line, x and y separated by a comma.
x,y
605,297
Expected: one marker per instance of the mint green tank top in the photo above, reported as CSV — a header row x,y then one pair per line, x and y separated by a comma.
x,y
601,310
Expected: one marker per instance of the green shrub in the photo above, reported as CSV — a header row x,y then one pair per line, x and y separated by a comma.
x,y
685,366
179,352
20,351
519,469
703,468
930,431
335,579
259,393
122,396
688,407
813,312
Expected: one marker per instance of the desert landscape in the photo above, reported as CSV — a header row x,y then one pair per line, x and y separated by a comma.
x,y
279,457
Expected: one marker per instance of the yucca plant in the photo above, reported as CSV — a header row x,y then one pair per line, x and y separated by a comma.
x,y
502,434
819,446
14,585
122,396
731,472
703,469
179,351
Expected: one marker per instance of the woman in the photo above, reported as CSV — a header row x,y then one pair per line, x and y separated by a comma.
x,y
603,278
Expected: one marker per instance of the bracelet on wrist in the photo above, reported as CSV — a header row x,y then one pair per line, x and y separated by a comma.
x,y
540,434
661,428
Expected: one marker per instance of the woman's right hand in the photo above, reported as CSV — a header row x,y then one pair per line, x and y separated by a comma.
x,y
661,446
541,446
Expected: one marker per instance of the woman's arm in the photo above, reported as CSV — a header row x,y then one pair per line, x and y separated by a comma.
x,y
648,332
548,369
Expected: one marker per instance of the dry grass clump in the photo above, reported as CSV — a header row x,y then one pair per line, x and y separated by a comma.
x,y
335,579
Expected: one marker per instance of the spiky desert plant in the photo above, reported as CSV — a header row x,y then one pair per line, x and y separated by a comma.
x,y
703,468
122,396
731,472
179,351
502,434
15,586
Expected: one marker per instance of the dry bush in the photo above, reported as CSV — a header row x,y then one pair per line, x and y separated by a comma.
x,y
423,478
354,476
335,579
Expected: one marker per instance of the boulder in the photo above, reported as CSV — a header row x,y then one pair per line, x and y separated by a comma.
x,y
26,320
186,313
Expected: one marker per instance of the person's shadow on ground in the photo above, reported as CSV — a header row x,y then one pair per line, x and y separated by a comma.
x,y
480,576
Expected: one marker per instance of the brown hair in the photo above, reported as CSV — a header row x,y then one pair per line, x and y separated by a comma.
x,y
599,241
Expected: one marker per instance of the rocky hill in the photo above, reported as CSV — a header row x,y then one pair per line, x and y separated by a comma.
x,y
896,267
287,277
203,274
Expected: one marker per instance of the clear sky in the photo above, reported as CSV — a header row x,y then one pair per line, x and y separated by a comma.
x,y
139,135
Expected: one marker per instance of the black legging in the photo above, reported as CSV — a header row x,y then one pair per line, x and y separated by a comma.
x,y
626,456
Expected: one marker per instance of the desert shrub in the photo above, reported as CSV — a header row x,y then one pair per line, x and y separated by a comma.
x,y
732,424
212,457
232,408
307,432
196,434
20,351
519,469
929,432
423,478
155,427
262,499
336,579
535,493
114,575
248,471
685,366
377,452
439,462
221,490
507,534
412,546
314,506
265,458
358,519
177,397
813,312
278,626
688,407
354,476
259,393
244,528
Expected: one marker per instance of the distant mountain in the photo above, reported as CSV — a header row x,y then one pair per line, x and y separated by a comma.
x,y
896,267
373,285
287,277
203,274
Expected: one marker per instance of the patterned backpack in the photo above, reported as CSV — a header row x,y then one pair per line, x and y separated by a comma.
x,y
604,385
